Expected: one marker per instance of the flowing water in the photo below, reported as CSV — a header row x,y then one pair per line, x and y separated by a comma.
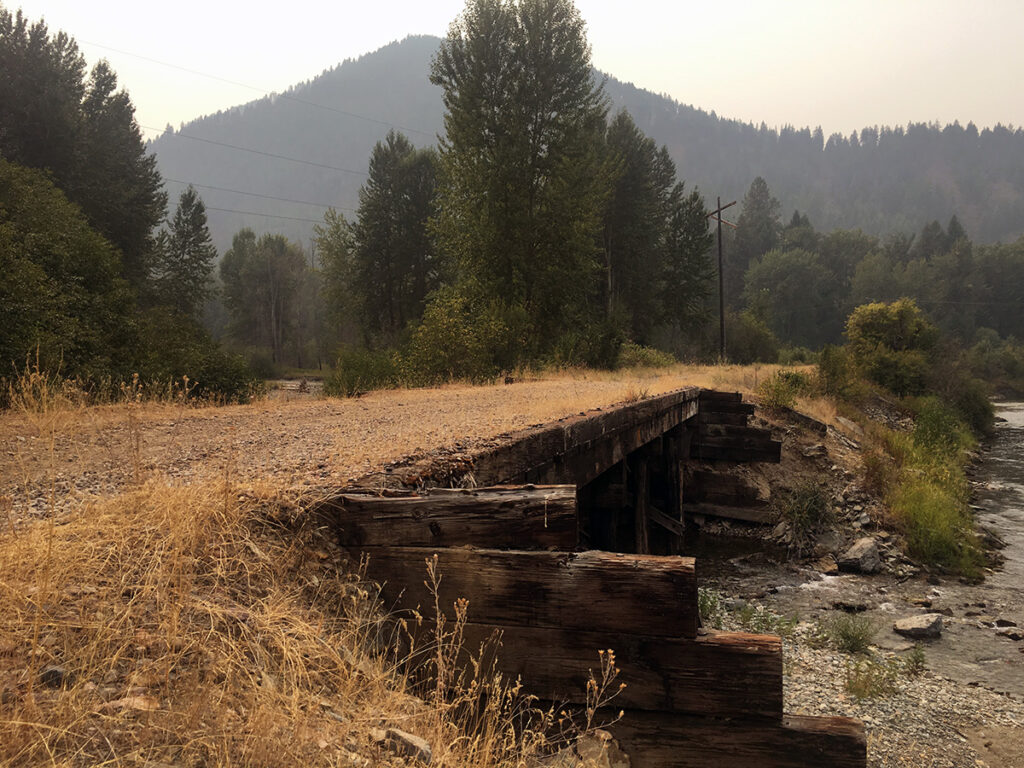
x,y
1000,493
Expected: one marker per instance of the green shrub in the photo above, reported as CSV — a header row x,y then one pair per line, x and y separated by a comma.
x,y
937,428
836,374
777,392
595,345
710,607
935,520
879,472
871,678
360,370
797,356
262,364
914,663
636,356
851,632
760,620
459,339
806,508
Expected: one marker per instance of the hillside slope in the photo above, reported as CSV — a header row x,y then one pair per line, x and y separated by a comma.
x,y
880,179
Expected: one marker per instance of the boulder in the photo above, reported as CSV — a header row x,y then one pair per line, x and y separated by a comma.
x,y
862,557
598,749
408,745
924,627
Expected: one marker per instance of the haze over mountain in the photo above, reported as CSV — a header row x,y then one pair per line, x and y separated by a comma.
x,y
880,179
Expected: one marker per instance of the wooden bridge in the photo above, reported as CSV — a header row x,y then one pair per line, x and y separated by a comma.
x,y
577,545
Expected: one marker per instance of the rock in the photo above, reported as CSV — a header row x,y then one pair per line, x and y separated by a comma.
x,y
847,606
781,530
408,745
139,703
827,543
1011,632
864,519
54,677
850,425
922,627
826,565
862,557
818,449
1005,623
600,750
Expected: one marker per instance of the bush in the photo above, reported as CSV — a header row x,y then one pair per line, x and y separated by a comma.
x,y
937,428
262,364
595,345
806,508
836,375
457,339
360,370
777,392
851,632
797,356
888,342
871,678
936,523
636,356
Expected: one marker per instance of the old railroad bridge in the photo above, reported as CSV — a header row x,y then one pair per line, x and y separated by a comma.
x,y
574,541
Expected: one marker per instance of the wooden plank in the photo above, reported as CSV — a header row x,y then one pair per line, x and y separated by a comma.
x,y
716,396
728,674
720,449
532,517
672,526
802,419
641,502
762,514
711,417
663,740
722,488
733,432
593,591
727,407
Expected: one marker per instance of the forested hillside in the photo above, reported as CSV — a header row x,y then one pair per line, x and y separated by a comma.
x,y
880,179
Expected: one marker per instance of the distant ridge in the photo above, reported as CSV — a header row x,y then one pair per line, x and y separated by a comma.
x,y
883,180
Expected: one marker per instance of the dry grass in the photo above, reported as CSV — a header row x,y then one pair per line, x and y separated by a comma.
x,y
213,623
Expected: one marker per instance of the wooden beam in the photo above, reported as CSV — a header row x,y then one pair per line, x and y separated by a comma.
x,y
641,502
762,514
662,740
726,674
672,526
590,591
498,518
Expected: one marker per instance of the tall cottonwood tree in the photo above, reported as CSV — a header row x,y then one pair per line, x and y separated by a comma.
x,y
523,183
757,232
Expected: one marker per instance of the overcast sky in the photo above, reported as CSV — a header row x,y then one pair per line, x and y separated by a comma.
x,y
841,65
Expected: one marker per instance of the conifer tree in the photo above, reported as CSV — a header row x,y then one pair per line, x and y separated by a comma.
x,y
184,258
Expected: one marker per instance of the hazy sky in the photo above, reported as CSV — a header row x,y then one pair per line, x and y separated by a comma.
x,y
841,65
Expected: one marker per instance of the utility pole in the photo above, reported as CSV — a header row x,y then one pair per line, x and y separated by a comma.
x,y
717,214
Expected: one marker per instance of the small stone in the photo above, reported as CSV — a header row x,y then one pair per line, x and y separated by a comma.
x,y
54,677
862,557
409,745
1013,633
1005,623
826,565
815,450
599,750
139,703
922,627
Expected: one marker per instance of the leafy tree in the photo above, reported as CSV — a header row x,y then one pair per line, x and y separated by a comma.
x,y
797,295
393,263
184,258
890,342
334,245
262,280
523,186
61,293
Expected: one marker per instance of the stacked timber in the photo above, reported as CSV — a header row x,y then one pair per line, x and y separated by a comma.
x,y
723,433
691,698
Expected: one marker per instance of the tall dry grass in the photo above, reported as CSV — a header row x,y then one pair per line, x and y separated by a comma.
x,y
215,623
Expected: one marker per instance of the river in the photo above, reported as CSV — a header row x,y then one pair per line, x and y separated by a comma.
x,y
1000,493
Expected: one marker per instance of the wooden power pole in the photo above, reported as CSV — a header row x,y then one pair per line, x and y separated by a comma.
x,y
717,214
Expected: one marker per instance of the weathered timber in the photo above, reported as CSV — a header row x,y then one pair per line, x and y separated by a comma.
x,y
711,417
733,432
715,396
727,407
641,501
805,421
737,450
669,524
534,517
663,740
755,514
580,448
722,488
597,591
724,674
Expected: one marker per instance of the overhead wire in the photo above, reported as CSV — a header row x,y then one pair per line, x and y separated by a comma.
x,y
265,91
257,194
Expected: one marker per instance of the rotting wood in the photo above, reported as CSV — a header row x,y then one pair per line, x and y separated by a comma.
x,y
666,740
711,417
533,517
753,514
722,488
732,432
724,406
717,396
641,501
676,527
802,419
725,674
740,450
594,591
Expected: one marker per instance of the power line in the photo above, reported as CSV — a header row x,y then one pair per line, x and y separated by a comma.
x,y
271,215
258,89
256,194
257,151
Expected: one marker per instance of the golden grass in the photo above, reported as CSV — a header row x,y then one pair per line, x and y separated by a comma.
x,y
214,623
